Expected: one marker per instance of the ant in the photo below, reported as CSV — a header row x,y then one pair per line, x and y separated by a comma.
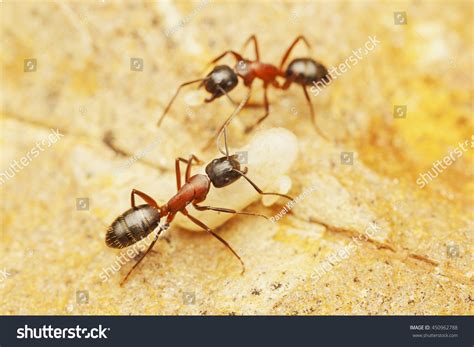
x,y
139,221
222,79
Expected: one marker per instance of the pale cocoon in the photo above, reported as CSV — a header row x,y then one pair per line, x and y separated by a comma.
x,y
270,154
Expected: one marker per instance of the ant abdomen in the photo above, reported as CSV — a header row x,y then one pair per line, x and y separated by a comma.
x,y
305,71
222,79
132,226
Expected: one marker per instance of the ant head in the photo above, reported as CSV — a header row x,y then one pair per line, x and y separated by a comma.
x,y
305,70
222,171
222,79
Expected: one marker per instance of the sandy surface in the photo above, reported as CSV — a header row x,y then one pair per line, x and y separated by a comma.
x,y
419,259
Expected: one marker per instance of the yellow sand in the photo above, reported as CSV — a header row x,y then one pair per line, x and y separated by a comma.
x,y
419,262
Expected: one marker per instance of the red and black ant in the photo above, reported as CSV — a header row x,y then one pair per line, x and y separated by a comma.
x,y
139,221
222,79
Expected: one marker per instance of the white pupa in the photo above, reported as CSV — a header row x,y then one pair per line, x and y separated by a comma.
x,y
270,154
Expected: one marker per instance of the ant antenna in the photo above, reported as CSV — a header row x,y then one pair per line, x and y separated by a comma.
x,y
225,142
224,127
168,106
227,95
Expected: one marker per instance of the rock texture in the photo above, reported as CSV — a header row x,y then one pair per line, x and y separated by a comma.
x,y
315,259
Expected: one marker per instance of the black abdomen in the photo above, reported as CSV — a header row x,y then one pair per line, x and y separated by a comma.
x,y
305,71
132,226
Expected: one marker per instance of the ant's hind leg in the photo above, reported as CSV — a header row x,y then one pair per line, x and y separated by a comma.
x,y
288,51
148,199
142,257
205,227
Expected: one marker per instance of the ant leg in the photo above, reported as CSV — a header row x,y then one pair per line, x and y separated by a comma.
x,y
190,163
254,39
143,256
236,55
258,189
313,115
205,227
267,110
178,169
174,97
287,83
109,141
288,51
148,199
226,210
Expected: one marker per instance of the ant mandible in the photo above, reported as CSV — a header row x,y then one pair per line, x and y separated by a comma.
x,y
139,221
222,79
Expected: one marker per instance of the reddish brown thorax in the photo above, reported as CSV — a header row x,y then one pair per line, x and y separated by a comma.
x,y
250,70
193,191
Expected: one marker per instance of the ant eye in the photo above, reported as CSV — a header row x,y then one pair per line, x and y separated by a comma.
x,y
242,67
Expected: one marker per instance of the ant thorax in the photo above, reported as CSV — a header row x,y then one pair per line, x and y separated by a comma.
x,y
243,67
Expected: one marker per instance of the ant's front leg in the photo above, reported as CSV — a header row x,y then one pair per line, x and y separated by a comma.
x,y
226,210
190,163
188,168
236,55
206,228
261,192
